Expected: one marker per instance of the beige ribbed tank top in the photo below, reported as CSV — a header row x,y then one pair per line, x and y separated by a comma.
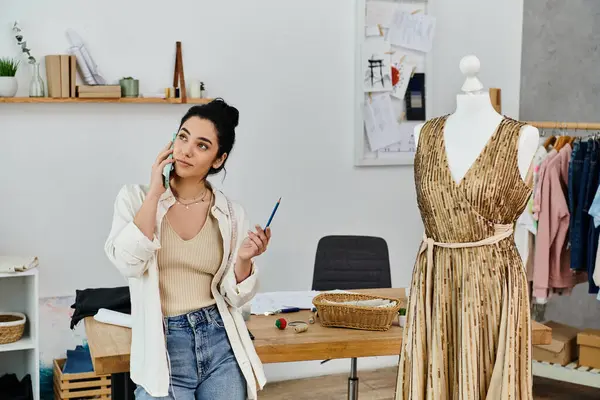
x,y
186,267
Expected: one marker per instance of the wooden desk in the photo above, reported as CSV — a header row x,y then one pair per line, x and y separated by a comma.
x,y
110,345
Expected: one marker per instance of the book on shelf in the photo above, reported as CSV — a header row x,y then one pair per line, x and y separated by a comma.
x,y
99,91
61,74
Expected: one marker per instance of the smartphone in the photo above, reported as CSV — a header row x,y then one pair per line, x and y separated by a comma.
x,y
169,167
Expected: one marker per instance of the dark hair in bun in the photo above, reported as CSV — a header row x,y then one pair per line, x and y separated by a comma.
x,y
225,119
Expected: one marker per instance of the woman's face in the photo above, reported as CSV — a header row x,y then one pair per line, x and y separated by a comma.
x,y
196,148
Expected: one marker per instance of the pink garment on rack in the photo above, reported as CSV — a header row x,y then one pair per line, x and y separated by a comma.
x,y
537,195
552,257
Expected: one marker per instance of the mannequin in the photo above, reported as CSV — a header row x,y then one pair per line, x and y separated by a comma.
x,y
469,129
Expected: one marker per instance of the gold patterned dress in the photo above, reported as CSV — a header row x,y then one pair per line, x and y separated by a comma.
x,y
467,333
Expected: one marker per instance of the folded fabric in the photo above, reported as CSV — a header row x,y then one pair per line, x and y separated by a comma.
x,y
365,303
89,301
113,318
11,264
78,361
13,389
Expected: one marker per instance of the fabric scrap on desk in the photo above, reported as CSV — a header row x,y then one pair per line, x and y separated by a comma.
x,y
89,301
365,303
13,264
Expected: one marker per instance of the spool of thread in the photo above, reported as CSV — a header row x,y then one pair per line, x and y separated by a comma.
x,y
301,328
281,323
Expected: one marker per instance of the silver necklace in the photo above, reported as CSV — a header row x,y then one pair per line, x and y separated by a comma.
x,y
187,205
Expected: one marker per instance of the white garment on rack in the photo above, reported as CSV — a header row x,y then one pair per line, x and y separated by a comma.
x,y
522,237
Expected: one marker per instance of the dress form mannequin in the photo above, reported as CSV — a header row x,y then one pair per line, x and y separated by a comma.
x,y
475,120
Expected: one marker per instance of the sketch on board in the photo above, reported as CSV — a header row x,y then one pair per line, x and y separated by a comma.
x,y
401,73
377,71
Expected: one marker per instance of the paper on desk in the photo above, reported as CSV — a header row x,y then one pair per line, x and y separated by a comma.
x,y
273,301
380,122
413,31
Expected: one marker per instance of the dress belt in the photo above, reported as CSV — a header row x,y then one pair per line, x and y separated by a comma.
x,y
501,232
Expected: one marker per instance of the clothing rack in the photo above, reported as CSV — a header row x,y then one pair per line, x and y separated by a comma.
x,y
590,126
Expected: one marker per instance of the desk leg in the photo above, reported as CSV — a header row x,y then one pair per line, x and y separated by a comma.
x,y
122,387
353,381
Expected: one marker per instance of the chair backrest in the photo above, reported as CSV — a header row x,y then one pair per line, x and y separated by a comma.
x,y
351,262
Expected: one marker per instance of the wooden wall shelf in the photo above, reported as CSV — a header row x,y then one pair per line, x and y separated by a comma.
x,y
134,100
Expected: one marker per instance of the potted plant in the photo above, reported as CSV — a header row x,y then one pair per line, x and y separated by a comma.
x,y
129,87
402,317
8,82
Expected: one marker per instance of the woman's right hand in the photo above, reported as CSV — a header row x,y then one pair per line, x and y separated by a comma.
x,y
157,186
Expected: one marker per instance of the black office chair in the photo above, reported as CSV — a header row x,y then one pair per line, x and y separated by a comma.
x,y
351,262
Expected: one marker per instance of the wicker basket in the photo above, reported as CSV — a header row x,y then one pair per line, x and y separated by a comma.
x,y
12,326
355,317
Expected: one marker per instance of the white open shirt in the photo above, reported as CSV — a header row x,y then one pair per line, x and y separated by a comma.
x,y
135,257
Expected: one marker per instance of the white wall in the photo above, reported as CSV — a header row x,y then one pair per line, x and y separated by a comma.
x,y
289,70
492,30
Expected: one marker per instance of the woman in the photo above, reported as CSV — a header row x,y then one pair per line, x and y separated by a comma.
x,y
189,257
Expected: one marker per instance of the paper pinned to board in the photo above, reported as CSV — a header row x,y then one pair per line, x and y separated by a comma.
x,y
380,12
380,122
373,30
407,143
413,31
401,72
376,65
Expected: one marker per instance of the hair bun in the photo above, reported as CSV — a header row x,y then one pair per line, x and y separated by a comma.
x,y
233,114
229,112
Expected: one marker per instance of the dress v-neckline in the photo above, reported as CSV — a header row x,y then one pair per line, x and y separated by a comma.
x,y
479,156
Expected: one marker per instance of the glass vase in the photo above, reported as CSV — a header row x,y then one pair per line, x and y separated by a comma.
x,y
36,86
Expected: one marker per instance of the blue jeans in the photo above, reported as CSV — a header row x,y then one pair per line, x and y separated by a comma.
x,y
579,181
575,167
203,366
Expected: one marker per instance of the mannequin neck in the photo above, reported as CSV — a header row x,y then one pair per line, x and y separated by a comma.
x,y
477,105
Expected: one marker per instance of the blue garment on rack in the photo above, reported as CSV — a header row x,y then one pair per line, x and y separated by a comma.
x,y
579,219
78,361
592,236
595,209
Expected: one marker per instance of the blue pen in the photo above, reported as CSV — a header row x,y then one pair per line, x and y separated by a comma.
x,y
273,213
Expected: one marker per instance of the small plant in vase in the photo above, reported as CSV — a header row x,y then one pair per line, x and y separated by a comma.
x,y
36,86
402,317
8,81
129,87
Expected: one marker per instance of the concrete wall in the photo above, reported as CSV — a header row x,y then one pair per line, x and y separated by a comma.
x,y
560,81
